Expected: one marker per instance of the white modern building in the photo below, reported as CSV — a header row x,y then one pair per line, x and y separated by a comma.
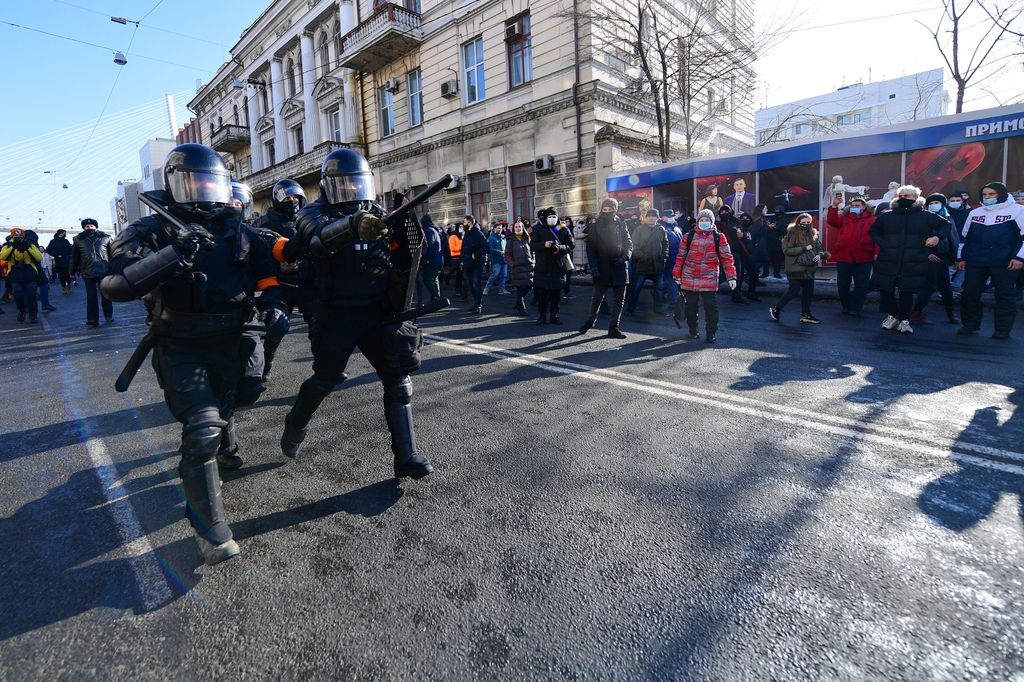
x,y
151,162
855,107
125,208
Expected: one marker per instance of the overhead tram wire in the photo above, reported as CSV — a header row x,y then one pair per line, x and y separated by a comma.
x,y
148,27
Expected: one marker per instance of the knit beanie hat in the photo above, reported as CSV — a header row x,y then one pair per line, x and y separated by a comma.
x,y
611,203
706,213
1000,189
941,198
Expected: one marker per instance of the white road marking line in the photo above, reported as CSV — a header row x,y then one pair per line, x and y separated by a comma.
x,y
150,579
834,424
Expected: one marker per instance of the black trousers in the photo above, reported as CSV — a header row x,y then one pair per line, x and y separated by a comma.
x,y
339,332
92,299
618,298
1003,282
804,288
548,299
62,274
859,274
900,307
710,300
938,280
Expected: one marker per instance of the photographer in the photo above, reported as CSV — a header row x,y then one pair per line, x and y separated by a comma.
x,y
25,263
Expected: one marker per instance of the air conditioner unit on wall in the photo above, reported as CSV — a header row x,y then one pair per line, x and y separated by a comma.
x,y
514,30
391,85
544,164
450,89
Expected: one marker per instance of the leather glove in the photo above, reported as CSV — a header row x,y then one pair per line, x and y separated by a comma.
x,y
276,322
186,243
732,284
369,226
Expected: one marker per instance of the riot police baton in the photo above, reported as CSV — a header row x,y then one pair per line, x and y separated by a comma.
x,y
396,216
197,232
419,311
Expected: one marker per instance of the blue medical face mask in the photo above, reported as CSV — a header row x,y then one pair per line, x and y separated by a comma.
x,y
705,225
955,204
935,208
855,210
991,201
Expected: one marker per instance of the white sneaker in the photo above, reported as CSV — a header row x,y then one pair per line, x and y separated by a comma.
x,y
905,327
486,291
890,323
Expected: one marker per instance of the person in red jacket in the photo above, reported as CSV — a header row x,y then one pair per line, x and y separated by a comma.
x,y
852,250
702,253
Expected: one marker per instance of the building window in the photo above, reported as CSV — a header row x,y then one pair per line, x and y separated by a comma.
x,y
853,118
480,196
334,116
415,98
238,121
711,100
325,55
211,131
801,129
145,172
220,122
266,101
523,190
473,63
271,158
520,54
412,5
423,208
297,133
386,101
291,77
245,110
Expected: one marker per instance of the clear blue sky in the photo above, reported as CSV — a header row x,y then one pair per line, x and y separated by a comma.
x,y
53,86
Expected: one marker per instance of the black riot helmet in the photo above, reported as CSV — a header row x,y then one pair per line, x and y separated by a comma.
x,y
282,195
345,177
241,200
196,178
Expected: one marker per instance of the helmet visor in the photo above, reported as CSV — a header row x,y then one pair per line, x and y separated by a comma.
x,y
354,187
189,187
281,194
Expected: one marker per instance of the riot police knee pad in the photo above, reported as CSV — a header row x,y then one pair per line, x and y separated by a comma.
x,y
201,436
399,391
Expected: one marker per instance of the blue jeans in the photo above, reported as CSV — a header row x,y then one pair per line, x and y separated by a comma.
x,y
638,285
859,274
93,297
499,271
669,289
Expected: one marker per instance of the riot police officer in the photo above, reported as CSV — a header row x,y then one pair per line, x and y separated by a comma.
x,y
241,201
297,279
362,274
199,271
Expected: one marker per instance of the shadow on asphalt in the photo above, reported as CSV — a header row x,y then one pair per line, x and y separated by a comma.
x,y
50,550
964,498
75,431
368,501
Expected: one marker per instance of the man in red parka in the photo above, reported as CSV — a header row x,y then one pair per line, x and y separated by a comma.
x,y
852,250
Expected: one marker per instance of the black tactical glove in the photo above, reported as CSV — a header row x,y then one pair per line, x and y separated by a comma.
x,y
276,322
369,226
21,244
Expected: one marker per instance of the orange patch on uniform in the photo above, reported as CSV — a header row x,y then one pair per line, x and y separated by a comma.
x,y
266,283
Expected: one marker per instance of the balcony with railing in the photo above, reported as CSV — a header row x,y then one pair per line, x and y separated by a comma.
x,y
388,34
295,167
230,138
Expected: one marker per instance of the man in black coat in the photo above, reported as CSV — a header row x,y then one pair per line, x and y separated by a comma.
x,y
650,253
90,257
474,251
905,236
59,249
550,243
609,249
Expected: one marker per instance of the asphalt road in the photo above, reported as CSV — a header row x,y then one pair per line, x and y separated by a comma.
x,y
831,502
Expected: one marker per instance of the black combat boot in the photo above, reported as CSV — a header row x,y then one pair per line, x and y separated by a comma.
x,y
398,412
291,439
204,509
228,458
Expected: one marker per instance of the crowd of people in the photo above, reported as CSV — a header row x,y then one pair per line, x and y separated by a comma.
x,y
908,249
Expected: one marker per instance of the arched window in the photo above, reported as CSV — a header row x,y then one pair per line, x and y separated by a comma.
x,y
291,77
325,55
220,121
236,115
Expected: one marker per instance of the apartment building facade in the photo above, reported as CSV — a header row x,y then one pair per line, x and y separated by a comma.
x,y
515,99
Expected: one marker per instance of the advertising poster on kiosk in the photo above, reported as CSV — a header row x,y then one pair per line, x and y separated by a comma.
x,y
875,177
736,191
947,169
634,202
676,196
795,188
1014,165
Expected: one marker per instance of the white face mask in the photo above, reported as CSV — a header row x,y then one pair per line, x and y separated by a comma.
x,y
705,225
552,221
935,208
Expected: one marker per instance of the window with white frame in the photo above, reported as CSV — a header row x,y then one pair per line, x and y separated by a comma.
x,y
473,70
853,118
801,129
415,98
386,102
334,117
325,55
